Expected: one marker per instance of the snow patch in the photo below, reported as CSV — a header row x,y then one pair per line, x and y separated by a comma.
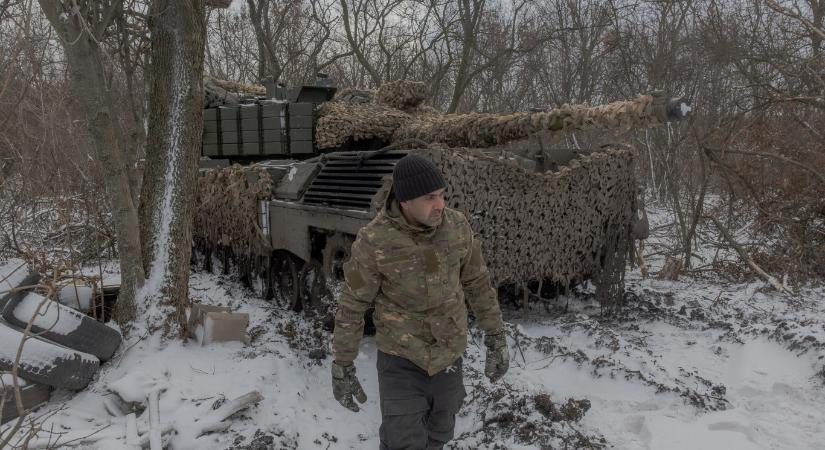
x,y
661,431
774,398
11,275
36,353
50,316
78,297
7,381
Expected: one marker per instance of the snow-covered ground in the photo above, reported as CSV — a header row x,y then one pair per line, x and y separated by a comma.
x,y
693,363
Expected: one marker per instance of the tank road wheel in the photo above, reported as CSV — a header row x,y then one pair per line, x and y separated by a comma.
x,y
266,274
336,253
287,276
313,284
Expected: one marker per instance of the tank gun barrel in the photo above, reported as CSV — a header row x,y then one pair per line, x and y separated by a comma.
x,y
485,130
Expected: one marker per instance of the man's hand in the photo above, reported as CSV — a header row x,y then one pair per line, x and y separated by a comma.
x,y
498,356
345,384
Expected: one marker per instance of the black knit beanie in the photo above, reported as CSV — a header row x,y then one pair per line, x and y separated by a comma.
x,y
415,176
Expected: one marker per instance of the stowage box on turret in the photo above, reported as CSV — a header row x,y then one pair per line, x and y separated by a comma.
x,y
312,173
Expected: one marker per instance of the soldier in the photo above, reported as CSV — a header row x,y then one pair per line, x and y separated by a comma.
x,y
419,265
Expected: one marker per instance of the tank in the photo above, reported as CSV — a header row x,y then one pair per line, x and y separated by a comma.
x,y
285,211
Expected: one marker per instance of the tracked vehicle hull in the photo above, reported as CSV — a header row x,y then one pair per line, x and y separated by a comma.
x,y
287,215
553,228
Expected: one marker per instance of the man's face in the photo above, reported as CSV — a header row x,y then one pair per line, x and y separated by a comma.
x,y
426,209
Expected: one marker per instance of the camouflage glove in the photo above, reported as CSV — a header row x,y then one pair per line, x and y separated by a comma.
x,y
345,384
498,356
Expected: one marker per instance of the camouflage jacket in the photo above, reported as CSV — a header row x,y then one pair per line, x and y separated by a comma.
x,y
418,279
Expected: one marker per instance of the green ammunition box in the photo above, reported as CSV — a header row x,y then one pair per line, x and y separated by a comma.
x,y
301,147
273,109
228,112
274,148
210,114
210,126
264,136
229,137
229,125
301,109
300,122
249,111
251,148
230,149
273,123
209,138
210,150
249,124
301,134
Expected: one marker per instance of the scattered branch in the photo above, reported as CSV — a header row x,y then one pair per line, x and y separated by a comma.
x,y
726,234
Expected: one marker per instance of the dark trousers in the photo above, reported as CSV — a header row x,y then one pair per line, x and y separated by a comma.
x,y
417,410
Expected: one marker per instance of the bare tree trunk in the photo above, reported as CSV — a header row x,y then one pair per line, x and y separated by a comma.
x,y
80,32
258,15
470,13
351,30
175,79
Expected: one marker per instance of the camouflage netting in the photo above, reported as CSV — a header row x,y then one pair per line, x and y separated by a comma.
x,y
401,94
341,122
227,93
227,211
566,226
243,88
485,130
359,115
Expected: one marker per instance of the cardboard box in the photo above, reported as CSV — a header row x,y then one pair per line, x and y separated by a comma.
x,y
224,327
209,324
